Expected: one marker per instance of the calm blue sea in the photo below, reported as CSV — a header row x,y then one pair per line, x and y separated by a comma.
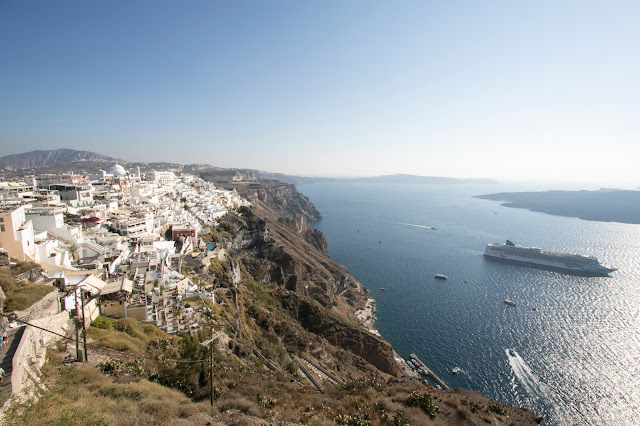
x,y
578,352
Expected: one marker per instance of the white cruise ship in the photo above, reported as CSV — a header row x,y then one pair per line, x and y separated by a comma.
x,y
536,257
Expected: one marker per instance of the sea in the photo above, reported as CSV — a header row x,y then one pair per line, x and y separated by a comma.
x,y
570,348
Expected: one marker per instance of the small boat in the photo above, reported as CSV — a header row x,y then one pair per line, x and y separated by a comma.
x,y
382,288
437,386
441,277
456,370
512,352
509,302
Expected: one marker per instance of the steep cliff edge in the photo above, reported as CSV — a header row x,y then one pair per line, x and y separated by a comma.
x,y
315,291
339,332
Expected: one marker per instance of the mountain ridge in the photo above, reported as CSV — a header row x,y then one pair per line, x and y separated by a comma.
x,y
50,158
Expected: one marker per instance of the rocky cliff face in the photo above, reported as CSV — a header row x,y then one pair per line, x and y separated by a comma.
x,y
339,332
281,200
289,252
276,244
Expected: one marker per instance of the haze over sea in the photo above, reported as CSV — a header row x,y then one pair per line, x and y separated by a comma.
x,y
578,353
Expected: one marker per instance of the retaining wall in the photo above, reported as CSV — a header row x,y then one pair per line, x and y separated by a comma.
x,y
30,354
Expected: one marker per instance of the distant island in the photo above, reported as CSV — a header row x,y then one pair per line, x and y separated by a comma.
x,y
605,205
396,178
404,178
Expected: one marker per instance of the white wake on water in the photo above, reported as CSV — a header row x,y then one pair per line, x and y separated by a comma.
x,y
536,389
416,226
524,374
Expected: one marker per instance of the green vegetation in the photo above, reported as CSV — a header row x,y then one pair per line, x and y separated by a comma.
x,y
262,296
103,322
217,267
424,401
497,409
22,267
21,295
124,334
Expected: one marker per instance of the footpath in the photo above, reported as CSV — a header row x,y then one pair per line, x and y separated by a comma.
x,y
15,334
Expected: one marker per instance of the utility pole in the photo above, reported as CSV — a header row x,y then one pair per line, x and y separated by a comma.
x,y
211,368
210,342
76,324
84,329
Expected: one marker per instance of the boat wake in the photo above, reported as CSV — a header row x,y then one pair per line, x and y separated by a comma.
x,y
536,390
416,226
524,374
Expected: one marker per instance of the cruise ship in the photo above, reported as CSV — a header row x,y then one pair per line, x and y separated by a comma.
x,y
538,258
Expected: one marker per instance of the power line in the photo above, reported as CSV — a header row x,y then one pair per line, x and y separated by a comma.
x,y
179,361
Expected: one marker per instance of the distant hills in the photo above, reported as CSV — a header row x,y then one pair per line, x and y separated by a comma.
x,y
50,158
58,160
397,178
605,205
403,178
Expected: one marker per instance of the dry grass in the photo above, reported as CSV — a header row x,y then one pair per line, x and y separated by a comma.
x,y
82,395
126,334
21,295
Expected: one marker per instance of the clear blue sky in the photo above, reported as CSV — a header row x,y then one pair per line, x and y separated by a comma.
x,y
505,89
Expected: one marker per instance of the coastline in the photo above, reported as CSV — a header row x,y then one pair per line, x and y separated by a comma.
x,y
367,316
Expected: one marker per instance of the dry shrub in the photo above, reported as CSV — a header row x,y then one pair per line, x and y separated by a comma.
x,y
387,405
127,335
82,395
415,416
463,413
242,404
121,391
91,377
120,342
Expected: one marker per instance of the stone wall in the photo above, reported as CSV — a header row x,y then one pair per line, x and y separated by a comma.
x,y
4,258
45,307
33,275
30,355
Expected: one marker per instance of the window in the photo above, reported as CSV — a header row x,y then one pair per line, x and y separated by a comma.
x,y
1,228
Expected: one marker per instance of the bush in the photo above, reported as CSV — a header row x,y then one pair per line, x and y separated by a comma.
x,y
126,334
498,409
217,267
102,322
241,404
423,400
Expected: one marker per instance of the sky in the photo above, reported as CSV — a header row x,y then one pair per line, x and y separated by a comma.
x,y
516,90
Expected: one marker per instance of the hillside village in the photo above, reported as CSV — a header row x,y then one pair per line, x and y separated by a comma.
x,y
114,243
